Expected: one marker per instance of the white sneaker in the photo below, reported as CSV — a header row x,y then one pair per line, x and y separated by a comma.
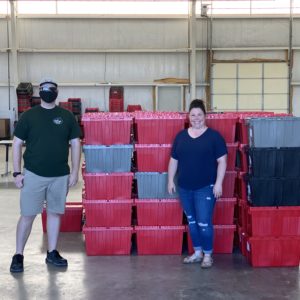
x,y
194,258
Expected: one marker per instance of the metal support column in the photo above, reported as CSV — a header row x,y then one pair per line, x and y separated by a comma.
x,y
192,46
290,59
14,49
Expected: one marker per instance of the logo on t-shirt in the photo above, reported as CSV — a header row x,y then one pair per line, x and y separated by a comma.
x,y
58,121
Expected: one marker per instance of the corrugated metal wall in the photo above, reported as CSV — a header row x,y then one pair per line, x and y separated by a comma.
x,y
135,67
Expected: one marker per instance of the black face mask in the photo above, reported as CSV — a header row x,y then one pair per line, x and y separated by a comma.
x,y
48,96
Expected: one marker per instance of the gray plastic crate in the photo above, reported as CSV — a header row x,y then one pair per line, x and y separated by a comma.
x,y
106,159
153,185
274,132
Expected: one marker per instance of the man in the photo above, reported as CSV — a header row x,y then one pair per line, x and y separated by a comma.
x,y
47,130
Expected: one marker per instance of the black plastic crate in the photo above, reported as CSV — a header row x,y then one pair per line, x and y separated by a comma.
x,y
264,162
25,88
290,192
273,162
264,191
274,191
290,160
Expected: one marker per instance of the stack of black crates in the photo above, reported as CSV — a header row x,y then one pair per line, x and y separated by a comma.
x,y
272,233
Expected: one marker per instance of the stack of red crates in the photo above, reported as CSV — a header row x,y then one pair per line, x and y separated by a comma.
x,y
107,196
116,99
159,229
24,96
268,236
66,105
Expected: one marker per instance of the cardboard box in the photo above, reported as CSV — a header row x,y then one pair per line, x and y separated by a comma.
x,y
4,128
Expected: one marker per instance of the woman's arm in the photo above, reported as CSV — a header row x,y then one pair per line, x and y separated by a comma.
x,y
173,163
221,169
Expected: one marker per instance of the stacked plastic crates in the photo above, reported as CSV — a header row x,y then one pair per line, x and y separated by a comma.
x,y
66,105
116,99
223,218
242,137
107,183
24,96
159,227
271,226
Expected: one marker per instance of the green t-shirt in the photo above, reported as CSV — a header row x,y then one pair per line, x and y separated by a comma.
x,y
47,133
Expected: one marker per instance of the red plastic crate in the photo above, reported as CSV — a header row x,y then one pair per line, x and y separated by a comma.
x,y
107,128
133,108
153,157
108,241
159,212
225,125
273,252
108,186
243,213
244,164
263,221
24,97
66,105
223,211
76,100
71,221
107,213
91,109
223,239
229,184
116,104
242,186
243,238
231,158
159,240
158,130
290,220
116,92
273,221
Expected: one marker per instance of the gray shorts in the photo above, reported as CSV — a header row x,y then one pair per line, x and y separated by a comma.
x,y
37,190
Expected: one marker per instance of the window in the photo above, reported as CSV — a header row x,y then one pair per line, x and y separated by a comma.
x,y
248,7
250,86
4,8
154,7
124,7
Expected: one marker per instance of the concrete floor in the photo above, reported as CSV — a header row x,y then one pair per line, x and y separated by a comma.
x,y
126,277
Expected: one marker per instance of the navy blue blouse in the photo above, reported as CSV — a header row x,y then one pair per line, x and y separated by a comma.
x,y
197,158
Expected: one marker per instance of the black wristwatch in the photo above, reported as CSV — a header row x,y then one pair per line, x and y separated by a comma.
x,y
15,174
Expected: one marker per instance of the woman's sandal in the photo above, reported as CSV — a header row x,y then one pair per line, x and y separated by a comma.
x,y
193,259
207,262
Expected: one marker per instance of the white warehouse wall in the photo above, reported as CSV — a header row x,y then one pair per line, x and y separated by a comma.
x,y
104,34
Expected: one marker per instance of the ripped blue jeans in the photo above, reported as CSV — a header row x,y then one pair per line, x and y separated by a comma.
x,y
198,206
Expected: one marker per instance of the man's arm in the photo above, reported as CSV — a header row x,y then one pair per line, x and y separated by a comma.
x,y
75,159
17,157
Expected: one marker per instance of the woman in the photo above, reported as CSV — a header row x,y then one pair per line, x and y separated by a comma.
x,y
200,155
